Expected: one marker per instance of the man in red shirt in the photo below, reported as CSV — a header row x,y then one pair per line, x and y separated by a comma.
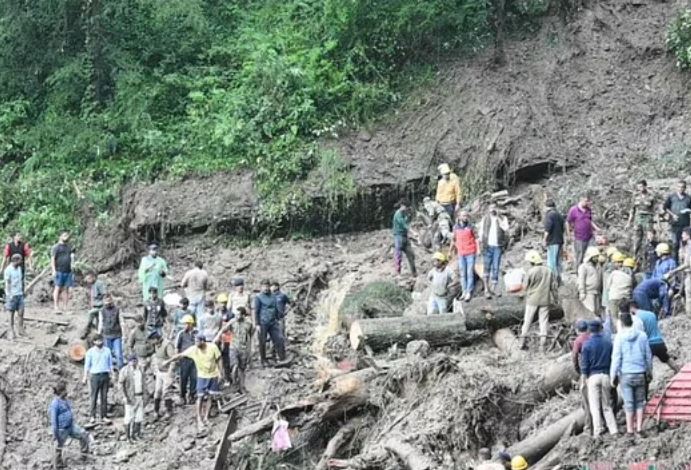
x,y
20,247
465,244
583,335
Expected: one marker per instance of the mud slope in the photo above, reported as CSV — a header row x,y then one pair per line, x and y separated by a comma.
x,y
599,88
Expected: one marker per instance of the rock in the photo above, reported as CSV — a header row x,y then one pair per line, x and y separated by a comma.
x,y
418,348
188,444
124,454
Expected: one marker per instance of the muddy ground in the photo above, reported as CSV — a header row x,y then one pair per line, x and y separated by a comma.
x,y
597,100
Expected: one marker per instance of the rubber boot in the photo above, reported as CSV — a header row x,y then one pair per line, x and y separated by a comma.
x,y
157,408
57,459
138,430
169,407
20,324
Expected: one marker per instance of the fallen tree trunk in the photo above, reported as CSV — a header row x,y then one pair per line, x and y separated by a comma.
x,y
335,443
500,313
507,342
409,455
535,447
3,425
437,330
558,375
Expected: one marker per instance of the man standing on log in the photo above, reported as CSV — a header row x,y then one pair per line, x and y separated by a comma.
x,y
14,295
596,360
465,244
677,206
581,227
540,293
553,237
576,350
448,190
590,281
493,238
152,271
401,226
439,278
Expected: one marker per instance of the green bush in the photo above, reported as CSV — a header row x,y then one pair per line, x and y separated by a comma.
x,y
375,300
679,38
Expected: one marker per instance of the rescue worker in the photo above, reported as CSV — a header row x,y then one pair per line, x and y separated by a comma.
x,y
401,227
240,349
96,290
650,290
110,327
188,372
440,279
493,237
223,337
540,292
443,232
132,386
650,327
590,281
576,350
179,315
665,263
98,366
677,206
465,244
283,304
649,254
448,190
155,313
196,284
642,216
152,271
266,317
238,297
596,360
620,282
616,261
63,425
206,357
14,295
164,375
140,343
685,267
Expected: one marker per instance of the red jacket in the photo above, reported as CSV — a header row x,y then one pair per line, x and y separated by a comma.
x,y
577,348
466,243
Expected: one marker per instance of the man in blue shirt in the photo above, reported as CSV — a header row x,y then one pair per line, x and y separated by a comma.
x,y
14,293
650,327
99,365
266,313
653,289
596,361
282,304
63,426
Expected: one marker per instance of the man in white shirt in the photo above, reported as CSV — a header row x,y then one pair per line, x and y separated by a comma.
x,y
493,236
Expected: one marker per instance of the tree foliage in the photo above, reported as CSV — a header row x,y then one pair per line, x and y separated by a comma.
x,y
679,38
96,93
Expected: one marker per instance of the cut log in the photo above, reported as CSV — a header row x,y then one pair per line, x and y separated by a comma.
x,y
48,320
560,374
3,425
499,313
265,424
408,455
31,285
507,342
220,460
335,443
535,447
437,330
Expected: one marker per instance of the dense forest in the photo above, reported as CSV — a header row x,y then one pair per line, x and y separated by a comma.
x,y
95,94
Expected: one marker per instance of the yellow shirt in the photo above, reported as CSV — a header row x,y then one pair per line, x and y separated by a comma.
x,y
449,192
206,361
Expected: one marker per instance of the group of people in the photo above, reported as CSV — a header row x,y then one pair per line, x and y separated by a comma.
x,y
206,343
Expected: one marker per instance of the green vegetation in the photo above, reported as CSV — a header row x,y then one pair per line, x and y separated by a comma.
x,y
679,38
374,300
95,94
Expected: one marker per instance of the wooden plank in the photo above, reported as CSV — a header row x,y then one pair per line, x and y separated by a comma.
x,y
670,401
224,445
47,320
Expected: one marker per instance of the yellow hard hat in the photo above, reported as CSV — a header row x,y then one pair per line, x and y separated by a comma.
x,y
611,250
533,257
630,263
222,298
188,319
662,249
618,257
518,463
444,169
439,257
591,252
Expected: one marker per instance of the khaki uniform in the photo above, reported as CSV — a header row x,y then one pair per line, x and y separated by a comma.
x,y
163,387
590,286
620,282
131,380
540,291
644,205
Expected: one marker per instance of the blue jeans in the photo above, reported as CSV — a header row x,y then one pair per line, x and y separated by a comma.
x,y
466,270
492,257
75,432
554,258
633,391
115,346
402,246
197,306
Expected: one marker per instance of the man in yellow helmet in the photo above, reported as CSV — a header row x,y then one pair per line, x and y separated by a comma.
x,y
440,279
188,372
620,285
540,292
590,281
519,463
448,190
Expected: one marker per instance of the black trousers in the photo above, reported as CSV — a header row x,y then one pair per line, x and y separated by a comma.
x,y
274,331
188,377
99,388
